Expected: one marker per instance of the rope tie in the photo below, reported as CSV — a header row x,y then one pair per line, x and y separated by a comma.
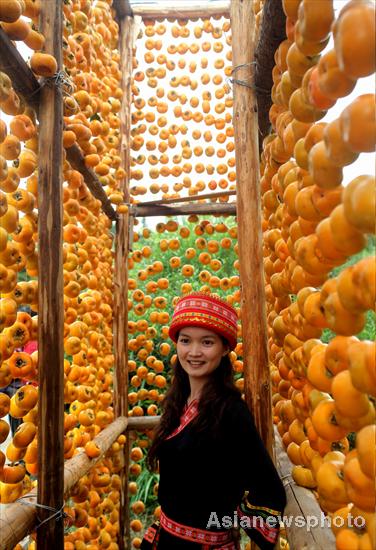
x,y
58,513
247,83
59,80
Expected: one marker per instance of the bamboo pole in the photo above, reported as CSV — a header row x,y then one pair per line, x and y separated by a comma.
x,y
78,466
51,307
256,370
178,10
184,210
17,519
126,38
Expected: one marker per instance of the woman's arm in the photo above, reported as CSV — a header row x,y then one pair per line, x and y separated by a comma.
x,y
264,499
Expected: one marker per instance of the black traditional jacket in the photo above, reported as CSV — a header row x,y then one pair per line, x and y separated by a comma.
x,y
216,483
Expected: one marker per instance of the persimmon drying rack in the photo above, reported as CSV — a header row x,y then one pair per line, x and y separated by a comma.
x,y
251,108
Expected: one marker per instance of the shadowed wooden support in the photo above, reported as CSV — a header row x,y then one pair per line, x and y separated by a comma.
x,y
50,533
126,39
184,210
22,77
122,9
77,161
272,33
254,329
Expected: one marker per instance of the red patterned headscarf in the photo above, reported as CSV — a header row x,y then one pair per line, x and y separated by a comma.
x,y
201,309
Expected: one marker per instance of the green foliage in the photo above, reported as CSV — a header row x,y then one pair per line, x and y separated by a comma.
x,y
146,492
369,330
156,241
368,250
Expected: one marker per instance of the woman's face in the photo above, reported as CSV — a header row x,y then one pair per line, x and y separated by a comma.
x,y
199,351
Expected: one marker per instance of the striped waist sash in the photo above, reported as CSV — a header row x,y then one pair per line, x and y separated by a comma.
x,y
218,539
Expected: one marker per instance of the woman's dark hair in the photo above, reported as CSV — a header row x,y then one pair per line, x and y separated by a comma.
x,y
216,393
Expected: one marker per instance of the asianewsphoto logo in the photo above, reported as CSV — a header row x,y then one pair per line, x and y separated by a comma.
x,y
307,522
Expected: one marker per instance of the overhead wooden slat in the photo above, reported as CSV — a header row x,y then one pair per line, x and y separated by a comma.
x,y
184,210
178,10
190,198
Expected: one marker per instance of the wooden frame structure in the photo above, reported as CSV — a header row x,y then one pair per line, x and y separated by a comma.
x,y
255,354
50,289
59,476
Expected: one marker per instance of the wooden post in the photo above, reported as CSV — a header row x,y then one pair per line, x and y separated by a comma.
x,y
256,368
51,307
121,266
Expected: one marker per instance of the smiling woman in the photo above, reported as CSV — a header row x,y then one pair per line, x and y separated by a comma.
x,y
206,429
199,352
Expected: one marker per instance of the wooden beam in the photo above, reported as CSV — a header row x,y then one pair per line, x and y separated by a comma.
x,y
122,9
140,423
80,464
272,33
17,519
22,77
190,198
50,292
176,10
126,31
77,161
301,503
255,354
185,210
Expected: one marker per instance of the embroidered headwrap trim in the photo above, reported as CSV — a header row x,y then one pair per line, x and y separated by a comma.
x,y
201,309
